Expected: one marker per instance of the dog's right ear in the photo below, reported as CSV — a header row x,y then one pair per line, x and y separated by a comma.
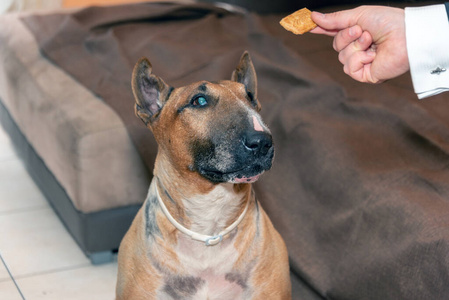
x,y
150,91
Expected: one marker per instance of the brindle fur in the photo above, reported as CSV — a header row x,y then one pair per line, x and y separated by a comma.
x,y
200,154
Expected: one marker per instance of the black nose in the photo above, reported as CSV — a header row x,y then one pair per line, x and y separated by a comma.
x,y
258,142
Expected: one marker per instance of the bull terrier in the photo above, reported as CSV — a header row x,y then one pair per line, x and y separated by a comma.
x,y
201,234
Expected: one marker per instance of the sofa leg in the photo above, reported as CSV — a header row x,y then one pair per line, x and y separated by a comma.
x,y
98,258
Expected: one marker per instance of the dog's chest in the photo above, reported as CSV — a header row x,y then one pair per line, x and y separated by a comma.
x,y
208,273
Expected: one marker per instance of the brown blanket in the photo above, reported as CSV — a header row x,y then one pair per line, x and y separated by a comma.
x,y
360,184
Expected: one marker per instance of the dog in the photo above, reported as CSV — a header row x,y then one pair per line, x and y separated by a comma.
x,y
200,233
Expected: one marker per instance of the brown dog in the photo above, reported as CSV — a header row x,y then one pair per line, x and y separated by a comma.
x,y
201,234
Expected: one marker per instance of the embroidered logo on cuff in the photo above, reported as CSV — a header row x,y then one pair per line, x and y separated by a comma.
x,y
438,71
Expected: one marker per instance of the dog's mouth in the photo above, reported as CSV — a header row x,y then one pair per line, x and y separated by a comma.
x,y
244,175
245,179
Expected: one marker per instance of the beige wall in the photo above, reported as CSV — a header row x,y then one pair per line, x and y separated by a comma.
x,y
30,5
79,3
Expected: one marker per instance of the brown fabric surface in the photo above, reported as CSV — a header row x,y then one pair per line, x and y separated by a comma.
x,y
360,184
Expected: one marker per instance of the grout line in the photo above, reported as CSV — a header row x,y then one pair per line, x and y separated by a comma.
x,y
56,270
24,209
12,278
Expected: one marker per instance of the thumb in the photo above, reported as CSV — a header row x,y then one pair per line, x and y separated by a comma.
x,y
337,20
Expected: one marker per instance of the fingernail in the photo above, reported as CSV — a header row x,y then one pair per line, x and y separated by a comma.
x,y
362,39
351,31
319,15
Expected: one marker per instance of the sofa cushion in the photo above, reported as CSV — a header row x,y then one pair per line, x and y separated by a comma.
x,y
81,140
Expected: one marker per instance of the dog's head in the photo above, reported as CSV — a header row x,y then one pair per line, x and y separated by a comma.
x,y
211,128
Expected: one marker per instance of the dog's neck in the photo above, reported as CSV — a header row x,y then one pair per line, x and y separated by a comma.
x,y
198,205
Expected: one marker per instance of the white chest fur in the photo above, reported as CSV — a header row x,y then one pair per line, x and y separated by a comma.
x,y
213,265
209,214
207,272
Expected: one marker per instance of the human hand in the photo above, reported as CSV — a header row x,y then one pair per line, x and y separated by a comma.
x,y
370,41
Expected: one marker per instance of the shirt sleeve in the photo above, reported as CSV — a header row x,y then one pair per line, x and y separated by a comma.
x,y
427,37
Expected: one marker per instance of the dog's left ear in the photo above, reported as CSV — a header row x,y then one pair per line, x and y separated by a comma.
x,y
150,92
246,74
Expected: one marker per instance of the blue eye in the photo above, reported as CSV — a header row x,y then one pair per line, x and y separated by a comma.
x,y
199,101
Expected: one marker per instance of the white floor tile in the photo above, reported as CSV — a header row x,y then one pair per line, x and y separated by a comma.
x,y
93,282
12,169
8,291
41,255
4,275
16,196
7,151
17,189
35,241
6,148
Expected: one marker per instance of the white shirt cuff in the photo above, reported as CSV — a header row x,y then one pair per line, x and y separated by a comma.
x,y
427,34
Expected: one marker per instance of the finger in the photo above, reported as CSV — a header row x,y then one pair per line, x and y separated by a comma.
x,y
346,37
319,30
361,44
358,66
364,42
337,20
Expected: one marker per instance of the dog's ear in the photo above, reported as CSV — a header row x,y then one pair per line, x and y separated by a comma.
x,y
150,91
246,74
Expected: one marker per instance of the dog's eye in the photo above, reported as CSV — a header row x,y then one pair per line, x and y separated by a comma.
x,y
251,98
199,101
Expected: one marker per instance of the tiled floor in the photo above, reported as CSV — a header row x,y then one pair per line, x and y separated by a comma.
x,y
39,259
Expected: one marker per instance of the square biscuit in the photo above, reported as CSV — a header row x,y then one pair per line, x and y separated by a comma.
x,y
299,22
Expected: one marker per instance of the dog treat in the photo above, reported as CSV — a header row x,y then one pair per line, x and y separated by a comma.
x,y
299,22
